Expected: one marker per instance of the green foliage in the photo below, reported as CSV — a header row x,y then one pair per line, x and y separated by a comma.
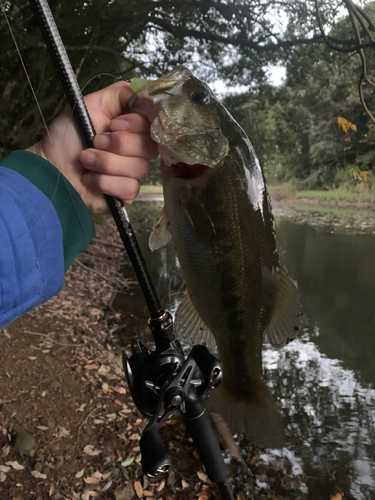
x,y
293,127
313,126
154,177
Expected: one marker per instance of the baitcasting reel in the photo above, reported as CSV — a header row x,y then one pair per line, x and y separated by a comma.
x,y
161,381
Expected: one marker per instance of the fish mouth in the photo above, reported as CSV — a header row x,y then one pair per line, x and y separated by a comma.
x,y
188,172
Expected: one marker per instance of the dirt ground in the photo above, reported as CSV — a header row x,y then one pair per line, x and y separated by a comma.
x,y
68,427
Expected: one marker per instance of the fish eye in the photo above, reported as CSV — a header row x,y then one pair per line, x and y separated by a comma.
x,y
200,97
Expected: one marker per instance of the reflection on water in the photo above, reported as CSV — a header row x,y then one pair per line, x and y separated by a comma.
x,y
322,382
330,420
336,277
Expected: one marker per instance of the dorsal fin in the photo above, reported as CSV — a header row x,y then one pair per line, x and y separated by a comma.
x,y
286,320
160,234
190,326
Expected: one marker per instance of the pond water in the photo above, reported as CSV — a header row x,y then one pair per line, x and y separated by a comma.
x,y
323,381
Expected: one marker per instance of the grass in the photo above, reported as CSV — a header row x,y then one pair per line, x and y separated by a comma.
x,y
152,189
339,194
289,191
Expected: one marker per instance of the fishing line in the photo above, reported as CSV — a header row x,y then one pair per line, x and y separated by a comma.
x,y
56,160
23,65
39,110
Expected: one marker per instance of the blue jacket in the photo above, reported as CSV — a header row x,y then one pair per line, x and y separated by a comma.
x,y
44,224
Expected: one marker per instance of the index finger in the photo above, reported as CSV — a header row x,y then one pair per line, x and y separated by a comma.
x,y
131,122
112,100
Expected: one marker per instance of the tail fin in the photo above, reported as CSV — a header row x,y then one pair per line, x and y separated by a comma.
x,y
257,416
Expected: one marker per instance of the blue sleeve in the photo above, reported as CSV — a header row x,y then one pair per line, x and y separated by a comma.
x,y
31,247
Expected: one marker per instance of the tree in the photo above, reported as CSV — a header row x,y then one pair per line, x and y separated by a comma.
x,y
233,39
295,129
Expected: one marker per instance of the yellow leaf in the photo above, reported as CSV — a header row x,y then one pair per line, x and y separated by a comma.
x,y
364,174
345,124
338,496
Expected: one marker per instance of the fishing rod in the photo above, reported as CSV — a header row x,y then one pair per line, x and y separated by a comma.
x,y
160,380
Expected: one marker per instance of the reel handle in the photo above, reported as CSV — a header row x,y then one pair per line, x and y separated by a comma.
x,y
155,456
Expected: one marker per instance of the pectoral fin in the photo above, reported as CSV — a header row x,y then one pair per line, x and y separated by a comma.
x,y
286,320
160,234
190,326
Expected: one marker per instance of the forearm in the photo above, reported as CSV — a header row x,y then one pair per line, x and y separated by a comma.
x,y
43,225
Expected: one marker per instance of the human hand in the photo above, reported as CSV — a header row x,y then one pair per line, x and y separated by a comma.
x,y
121,153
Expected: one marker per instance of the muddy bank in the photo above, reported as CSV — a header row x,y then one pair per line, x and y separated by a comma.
x,y
68,427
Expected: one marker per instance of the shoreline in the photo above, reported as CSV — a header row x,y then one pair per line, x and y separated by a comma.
x,y
278,197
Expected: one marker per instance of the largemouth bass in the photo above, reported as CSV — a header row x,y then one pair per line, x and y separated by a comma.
x,y
218,213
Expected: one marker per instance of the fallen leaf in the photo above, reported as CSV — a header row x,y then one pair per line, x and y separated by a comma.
x,y
135,437
107,486
6,451
203,477
120,390
338,496
91,480
204,495
91,367
43,394
62,432
42,427
184,484
138,489
32,358
80,473
161,486
4,468
38,474
128,462
51,489
90,450
15,465
104,370
97,475
3,477
119,403
147,493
